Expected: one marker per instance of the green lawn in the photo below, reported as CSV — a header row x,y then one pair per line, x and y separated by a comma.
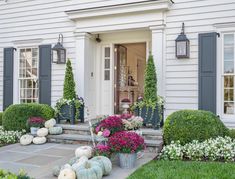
x,y
185,170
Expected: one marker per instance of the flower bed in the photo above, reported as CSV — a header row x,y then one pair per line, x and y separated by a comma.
x,y
9,137
218,149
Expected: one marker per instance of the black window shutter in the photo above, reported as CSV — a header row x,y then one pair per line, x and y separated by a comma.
x,y
8,66
207,71
45,74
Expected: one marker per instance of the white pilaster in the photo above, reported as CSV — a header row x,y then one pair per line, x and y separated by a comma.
x,y
158,55
82,40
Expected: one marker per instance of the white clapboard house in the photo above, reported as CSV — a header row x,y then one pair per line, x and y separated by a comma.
x,y
108,42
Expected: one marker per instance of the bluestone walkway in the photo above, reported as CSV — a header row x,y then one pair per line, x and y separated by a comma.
x,y
39,160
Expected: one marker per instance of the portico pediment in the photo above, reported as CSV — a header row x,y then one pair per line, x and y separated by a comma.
x,y
141,14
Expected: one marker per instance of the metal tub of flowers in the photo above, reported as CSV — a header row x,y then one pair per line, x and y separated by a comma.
x,y
121,137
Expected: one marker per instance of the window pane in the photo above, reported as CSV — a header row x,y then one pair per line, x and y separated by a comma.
x,y
107,52
106,75
228,39
228,108
228,95
107,64
228,81
229,53
229,67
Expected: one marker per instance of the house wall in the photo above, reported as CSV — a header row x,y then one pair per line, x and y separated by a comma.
x,y
181,76
24,20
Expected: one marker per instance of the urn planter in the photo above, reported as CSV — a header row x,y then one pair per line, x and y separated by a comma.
x,y
127,160
152,117
68,113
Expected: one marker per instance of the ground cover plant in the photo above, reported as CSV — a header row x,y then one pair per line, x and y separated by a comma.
x,y
9,137
184,170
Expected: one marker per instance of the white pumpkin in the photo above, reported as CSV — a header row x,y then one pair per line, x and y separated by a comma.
x,y
55,130
43,132
50,123
67,174
39,140
89,170
84,151
26,139
105,164
79,162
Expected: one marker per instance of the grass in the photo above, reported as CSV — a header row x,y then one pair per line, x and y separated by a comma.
x,y
184,170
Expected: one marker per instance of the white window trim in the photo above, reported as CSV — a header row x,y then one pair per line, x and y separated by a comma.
x,y
222,29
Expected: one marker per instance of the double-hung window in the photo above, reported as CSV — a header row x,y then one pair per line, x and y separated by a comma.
x,y
28,75
228,74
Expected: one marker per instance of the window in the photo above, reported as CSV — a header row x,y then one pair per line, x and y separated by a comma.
x,y
228,74
107,63
28,75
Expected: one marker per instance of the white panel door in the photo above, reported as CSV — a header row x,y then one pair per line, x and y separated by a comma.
x,y
107,80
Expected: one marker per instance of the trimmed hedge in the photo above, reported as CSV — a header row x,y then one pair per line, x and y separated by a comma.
x,y
16,116
1,113
189,125
232,133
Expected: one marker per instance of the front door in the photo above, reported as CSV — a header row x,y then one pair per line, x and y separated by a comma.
x,y
120,75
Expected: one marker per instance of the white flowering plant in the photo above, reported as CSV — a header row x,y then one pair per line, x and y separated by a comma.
x,y
218,149
10,137
131,122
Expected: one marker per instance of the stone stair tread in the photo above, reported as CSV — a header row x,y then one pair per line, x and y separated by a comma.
x,y
74,127
76,137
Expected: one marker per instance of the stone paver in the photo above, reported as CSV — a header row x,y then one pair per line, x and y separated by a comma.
x,y
39,160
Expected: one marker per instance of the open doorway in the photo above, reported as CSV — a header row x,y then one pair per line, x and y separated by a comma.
x,y
130,62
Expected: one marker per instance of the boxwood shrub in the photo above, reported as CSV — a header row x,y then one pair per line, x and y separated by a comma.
x,y
189,125
16,116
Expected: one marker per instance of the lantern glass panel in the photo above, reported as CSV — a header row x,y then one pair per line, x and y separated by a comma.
x,y
55,56
182,48
62,56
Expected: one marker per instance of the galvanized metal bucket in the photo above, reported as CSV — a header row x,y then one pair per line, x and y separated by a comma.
x,y
127,161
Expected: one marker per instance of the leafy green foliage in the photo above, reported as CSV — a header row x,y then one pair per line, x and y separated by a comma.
x,y
69,83
231,133
150,84
15,116
184,170
1,113
189,125
7,175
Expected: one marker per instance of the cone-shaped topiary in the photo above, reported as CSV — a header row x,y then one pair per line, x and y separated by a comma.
x,y
150,84
69,83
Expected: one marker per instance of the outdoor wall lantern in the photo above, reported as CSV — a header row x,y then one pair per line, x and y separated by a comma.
x,y
182,45
59,52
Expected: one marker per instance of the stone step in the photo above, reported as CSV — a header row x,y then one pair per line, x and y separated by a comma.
x,y
85,130
152,145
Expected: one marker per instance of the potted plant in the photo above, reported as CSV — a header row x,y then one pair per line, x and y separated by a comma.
x,y
126,145
125,105
132,122
70,107
150,107
108,126
35,123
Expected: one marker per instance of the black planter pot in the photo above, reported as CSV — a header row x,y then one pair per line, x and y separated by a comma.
x,y
68,113
151,118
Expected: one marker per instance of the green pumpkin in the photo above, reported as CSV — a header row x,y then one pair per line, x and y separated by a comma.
x,y
73,160
55,130
89,170
56,171
105,164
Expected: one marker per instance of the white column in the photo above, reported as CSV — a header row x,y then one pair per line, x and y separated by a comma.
x,y
158,55
82,43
